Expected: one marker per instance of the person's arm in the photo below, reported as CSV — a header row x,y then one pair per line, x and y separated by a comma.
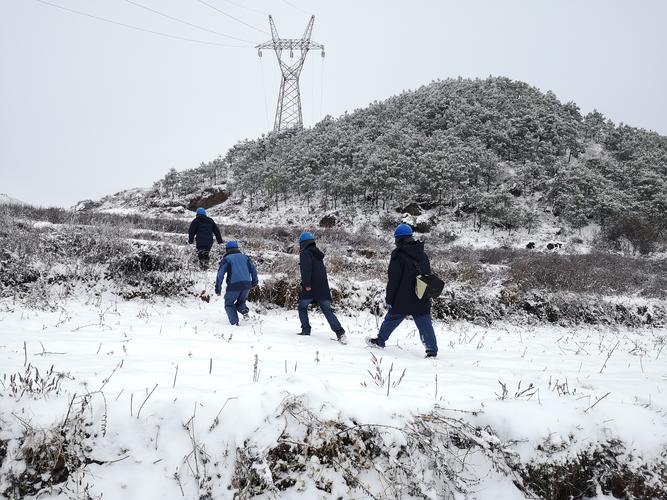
x,y
192,231
426,265
306,265
394,275
221,276
216,232
253,272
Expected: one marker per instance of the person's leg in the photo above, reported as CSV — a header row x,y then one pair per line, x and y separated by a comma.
x,y
389,324
303,315
240,304
230,307
426,333
325,306
203,255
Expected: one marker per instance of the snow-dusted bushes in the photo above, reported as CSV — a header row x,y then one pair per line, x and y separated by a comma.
x,y
602,273
483,285
36,459
536,307
604,468
149,272
41,262
431,453
17,275
62,216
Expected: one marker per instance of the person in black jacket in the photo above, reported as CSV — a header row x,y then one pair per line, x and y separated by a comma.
x,y
202,229
407,261
315,286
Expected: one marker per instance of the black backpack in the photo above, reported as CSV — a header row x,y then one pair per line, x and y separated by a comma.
x,y
427,286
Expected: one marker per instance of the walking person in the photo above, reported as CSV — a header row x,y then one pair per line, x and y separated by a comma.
x,y
315,286
407,261
241,277
202,229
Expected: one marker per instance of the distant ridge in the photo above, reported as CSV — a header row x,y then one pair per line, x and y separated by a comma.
x,y
8,200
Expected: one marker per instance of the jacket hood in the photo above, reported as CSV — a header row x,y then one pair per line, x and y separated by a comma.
x,y
309,246
413,249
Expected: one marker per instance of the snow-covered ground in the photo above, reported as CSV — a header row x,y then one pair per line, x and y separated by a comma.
x,y
175,378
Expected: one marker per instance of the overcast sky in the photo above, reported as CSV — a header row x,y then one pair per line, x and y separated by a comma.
x,y
89,108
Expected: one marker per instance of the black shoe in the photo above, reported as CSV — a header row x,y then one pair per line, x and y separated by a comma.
x,y
374,342
341,337
303,333
431,354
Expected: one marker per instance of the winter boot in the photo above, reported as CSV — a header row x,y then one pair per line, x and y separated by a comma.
x,y
431,354
342,338
374,342
303,333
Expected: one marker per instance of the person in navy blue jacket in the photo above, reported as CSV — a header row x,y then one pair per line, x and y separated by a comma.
x,y
202,229
407,261
315,286
241,277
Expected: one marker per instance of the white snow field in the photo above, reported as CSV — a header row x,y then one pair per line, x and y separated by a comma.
x,y
174,388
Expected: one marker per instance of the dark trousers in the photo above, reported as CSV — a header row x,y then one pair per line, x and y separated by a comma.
x,y
325,306
424,325
235,302
203,254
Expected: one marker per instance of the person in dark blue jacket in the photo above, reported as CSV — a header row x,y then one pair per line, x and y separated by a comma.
x,y
315,286
407,261
202,229
241,277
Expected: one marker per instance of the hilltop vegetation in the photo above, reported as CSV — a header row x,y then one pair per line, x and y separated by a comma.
x,y
497,152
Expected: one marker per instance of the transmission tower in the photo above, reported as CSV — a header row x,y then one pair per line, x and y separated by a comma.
x,y
288,109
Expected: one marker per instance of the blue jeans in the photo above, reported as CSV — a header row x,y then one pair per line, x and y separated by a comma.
x,y
235,303
424,325
325,306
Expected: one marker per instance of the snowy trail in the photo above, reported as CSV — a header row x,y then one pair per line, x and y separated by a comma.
x,y
198,360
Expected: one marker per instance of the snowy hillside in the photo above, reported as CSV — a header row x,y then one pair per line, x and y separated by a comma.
x,y
487,156
165,400
120,376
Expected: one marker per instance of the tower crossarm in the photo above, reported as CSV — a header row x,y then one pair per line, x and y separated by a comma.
x,y
290,44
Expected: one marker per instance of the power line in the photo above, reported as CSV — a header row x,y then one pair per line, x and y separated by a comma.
x,y
232,17
251,9
186,22
296,7
137,28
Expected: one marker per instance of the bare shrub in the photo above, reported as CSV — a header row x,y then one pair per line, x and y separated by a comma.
x,y
279,291
142,260
591,273
149,272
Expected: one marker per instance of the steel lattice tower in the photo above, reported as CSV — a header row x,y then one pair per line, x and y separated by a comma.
x,y
288,110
